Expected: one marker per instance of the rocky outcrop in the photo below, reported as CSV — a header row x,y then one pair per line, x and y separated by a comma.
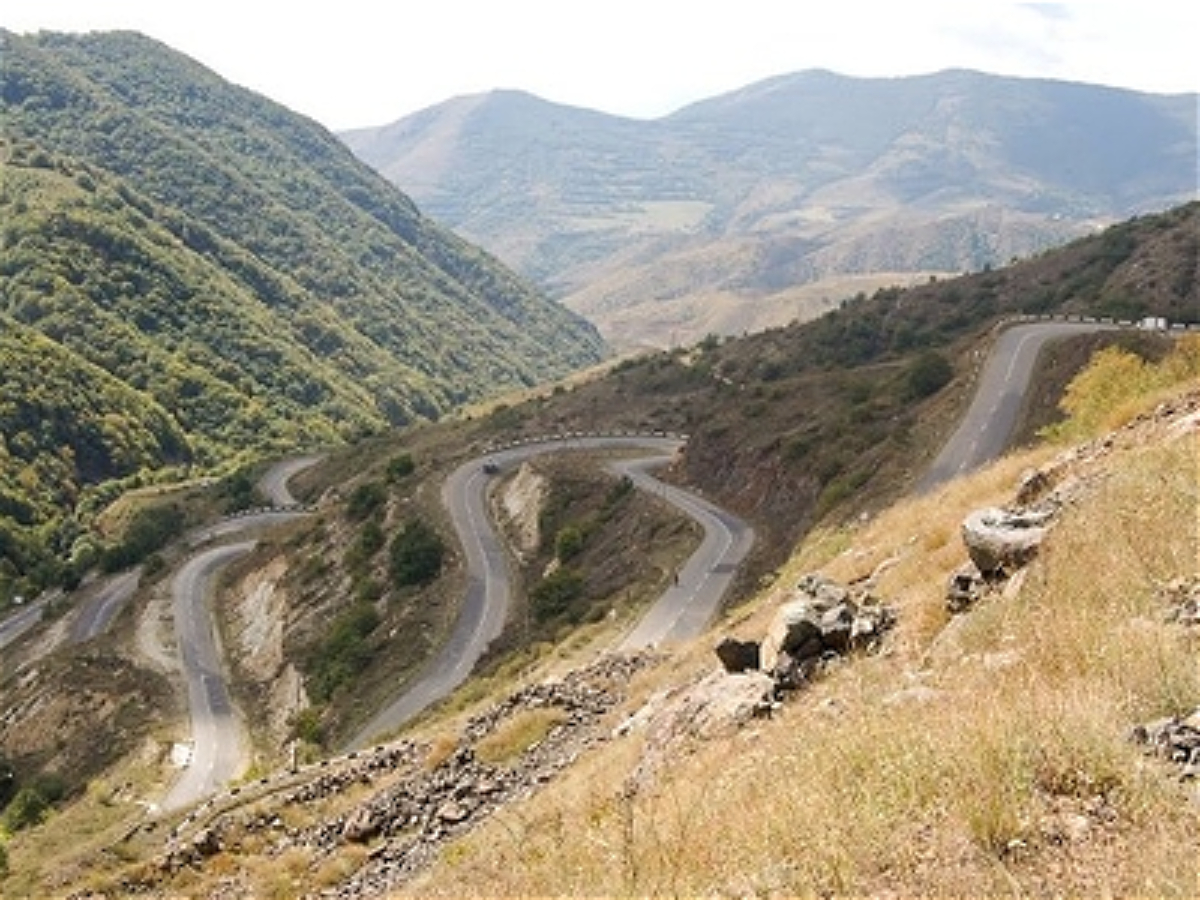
x,y
999,541
522,500
824,620
739,656
718,705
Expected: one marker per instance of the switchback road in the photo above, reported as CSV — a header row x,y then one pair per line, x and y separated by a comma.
x,y
690,604
218,739
682,612
986,428
218,746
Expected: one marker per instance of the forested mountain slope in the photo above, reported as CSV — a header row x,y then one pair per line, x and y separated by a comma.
x,y
715,217
232,267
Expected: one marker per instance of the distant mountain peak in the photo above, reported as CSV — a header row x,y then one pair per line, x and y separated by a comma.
x,y
762,204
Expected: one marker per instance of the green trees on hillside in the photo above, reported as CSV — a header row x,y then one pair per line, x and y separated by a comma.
x,y
246,286
927,374
415,554
344,653
65,426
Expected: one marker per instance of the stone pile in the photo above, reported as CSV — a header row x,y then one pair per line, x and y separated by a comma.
x,y
423,803
822,622
416,814
1175,739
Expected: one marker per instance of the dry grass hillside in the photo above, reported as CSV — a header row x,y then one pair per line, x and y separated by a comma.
x,y
981,754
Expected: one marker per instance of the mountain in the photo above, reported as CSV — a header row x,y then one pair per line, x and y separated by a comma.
x,y
227,274
810,432
774,201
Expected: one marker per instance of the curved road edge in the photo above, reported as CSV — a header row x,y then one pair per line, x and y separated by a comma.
x,y
219,742
691,603
274,484
485,607
985,429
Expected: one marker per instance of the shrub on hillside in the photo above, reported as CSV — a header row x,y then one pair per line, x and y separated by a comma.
x,y
149,531
400,467
927,374
344,653
416,555
554,595
365,500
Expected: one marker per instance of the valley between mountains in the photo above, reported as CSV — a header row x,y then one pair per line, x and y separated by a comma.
x,y
811,508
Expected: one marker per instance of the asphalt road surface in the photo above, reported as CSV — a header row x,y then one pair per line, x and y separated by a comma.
x,y
690,604
986,429
241,524
274,482
218,737
683,611
101,603
16,624
219,744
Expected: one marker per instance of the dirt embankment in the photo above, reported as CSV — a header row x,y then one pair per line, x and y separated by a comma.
x,y
255,619
521,501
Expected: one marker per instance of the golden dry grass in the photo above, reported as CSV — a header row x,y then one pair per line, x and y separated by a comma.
x,y
516,735
982,755
1008,772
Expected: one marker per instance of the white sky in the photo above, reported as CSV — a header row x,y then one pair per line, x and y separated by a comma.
x,y
350,63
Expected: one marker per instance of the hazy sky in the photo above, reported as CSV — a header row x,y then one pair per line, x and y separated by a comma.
x,y
369,62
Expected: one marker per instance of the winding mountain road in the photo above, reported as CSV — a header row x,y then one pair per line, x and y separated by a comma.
x,y
218,747
986,428
219,743
691,603
688,606
681,612
684,610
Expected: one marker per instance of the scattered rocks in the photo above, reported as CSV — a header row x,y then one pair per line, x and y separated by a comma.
x,y
1001,541
1182,596
1035,486
452,812
967,586
823,621
420,807
1176,739
360,826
